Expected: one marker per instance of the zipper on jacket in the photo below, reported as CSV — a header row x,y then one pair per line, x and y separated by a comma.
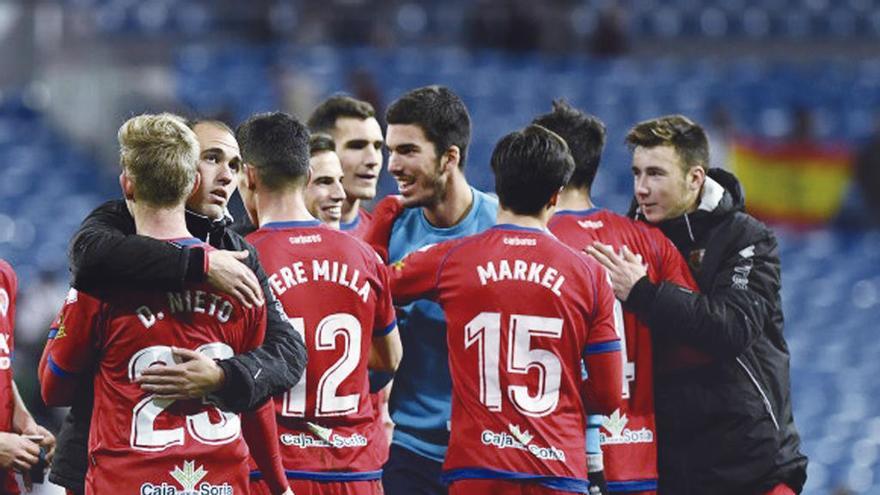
x,y
767,405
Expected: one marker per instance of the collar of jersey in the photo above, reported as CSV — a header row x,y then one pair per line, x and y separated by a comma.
x,y
510,226
462,224
588,211
186,241
352,224
291,224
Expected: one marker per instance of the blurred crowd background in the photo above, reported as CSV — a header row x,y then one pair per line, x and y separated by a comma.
x,y
789,91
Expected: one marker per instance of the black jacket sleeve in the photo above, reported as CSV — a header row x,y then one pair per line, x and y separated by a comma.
x,y
106,252
730,313
270,369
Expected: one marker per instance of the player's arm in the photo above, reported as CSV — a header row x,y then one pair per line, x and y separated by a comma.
x,y
601,354
731,313
22,421
273,367
416,276
105,251
260,431
378,234
386,350
24,424
69,349
258,426
241,382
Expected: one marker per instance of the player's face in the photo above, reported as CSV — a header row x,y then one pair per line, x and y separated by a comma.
x,y
219,165
661,186
414,163
324,194
359,146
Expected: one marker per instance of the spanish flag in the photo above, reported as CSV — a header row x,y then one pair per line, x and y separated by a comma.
x,y
799,183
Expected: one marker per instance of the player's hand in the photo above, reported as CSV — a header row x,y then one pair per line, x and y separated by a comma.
x,y
289,491
227,273
194,375
47,441
17,452
625,268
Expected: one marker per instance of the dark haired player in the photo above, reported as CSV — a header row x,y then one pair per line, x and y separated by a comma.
x,y
324,194
628,437
741,398
524,313
429,131
358,137
334,290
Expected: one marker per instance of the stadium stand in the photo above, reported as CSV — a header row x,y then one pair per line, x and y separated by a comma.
x,y
47,187
831,277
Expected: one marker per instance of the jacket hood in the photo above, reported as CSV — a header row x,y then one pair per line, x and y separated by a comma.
x,y
722,195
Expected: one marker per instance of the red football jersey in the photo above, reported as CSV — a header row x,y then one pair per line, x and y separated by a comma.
x,y
334,290
629,436
138,443
8,291
358,228
522,311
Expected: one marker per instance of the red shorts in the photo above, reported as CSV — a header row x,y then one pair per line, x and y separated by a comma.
x,y
306,487
781,489
499,487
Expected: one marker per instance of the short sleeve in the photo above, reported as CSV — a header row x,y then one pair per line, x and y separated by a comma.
x,y
386,319
73,341
378,234
415,276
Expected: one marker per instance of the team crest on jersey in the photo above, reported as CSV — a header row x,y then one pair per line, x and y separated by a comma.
x,y
4,302
619,434
695,259
61,331
188,478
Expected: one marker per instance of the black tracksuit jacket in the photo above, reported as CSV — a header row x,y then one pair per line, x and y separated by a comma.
x,y
726,427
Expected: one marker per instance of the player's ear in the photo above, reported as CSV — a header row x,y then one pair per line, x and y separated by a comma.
x,y
196,183
127,186
695,178
450,159
248,178
554,200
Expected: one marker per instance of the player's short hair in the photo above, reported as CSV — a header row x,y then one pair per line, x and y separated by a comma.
x,y
192,123
684,135
320,142
277,144
324,117
530,166
585,136
441,115
160,154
